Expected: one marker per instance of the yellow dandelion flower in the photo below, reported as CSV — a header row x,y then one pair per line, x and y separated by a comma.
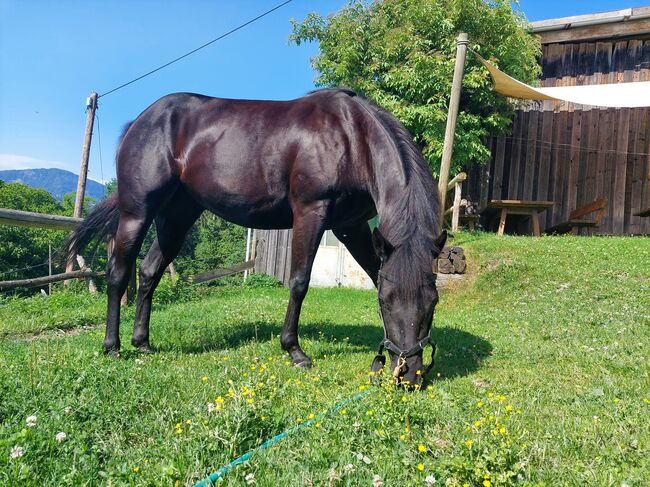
x,y
362,388
617,400
204,378
420,466
136,469
249,400
219,400
418,372
344,411
490,394
501,398
311,416
317,425
479,404
469,443
403,398
509,408
646,400
486,483
422,448
402,437
502,430
477,423
370,412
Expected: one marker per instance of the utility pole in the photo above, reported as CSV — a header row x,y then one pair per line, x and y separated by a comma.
x,y
91,107
452,114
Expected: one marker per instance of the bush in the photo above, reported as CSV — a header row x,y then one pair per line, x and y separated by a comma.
x,y
169,292
261,280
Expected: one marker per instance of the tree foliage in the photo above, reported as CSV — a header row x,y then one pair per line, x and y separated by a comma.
x,y
23,248
401,54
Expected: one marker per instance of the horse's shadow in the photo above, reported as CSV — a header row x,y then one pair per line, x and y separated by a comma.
x,y
458,353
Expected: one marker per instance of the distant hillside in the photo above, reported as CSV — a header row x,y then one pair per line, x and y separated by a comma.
x,y
57,181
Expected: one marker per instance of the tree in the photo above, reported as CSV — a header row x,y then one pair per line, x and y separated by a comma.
x,y
27,248
401,54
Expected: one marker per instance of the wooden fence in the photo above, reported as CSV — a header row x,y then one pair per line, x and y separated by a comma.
x,y
573,158
574,154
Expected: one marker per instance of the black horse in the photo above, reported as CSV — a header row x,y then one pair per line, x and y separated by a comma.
x,y
328,160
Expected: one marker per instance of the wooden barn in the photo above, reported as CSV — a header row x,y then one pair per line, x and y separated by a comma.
x,y
571,154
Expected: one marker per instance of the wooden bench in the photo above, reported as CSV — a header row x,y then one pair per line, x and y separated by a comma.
x,y
577,218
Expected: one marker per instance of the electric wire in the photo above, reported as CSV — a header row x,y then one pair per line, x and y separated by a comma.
x,y
232,31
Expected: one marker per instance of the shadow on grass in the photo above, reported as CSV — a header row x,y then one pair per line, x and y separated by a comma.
x,y
458,353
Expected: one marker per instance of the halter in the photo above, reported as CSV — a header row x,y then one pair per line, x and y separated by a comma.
x,y
402,354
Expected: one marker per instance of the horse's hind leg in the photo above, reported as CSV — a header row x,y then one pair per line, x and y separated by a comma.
x,y
172,224
308,226
128,239
358,240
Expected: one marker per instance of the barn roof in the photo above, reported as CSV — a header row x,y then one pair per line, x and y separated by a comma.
x,y
628,22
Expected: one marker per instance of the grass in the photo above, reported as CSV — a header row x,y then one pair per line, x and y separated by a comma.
x,y
542,378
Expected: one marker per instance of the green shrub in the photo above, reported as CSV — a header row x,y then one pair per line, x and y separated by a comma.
x,y
262,280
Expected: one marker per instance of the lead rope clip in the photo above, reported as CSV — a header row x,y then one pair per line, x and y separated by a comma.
x,y
401,362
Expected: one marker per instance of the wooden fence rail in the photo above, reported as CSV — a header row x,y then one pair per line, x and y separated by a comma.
x,y
37,220
41,281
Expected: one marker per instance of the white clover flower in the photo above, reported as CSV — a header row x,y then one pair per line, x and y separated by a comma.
x,y
67,410
250,478
349,468
31,421
211,407
430,480
376,481
60,436
17,452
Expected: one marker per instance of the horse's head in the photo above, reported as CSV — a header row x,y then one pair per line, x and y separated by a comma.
x,y
407,297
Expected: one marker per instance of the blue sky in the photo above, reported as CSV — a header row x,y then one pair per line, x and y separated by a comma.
x,y
53,54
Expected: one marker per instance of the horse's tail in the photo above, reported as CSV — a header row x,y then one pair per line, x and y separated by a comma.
x,y
101,222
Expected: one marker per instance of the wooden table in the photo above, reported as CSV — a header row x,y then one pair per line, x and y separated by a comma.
x,y
645,212
519,207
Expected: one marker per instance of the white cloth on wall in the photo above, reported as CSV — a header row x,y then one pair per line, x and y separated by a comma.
x,y
615,95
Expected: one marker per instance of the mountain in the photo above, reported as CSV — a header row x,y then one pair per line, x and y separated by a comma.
x,y
57,181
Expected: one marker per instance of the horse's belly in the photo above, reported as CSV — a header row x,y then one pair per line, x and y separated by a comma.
x,y
247,211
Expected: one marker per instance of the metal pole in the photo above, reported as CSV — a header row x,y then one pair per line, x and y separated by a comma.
x,y
248,250
49,266
454,101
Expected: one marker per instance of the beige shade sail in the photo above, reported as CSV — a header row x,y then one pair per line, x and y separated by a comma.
x,y
615,95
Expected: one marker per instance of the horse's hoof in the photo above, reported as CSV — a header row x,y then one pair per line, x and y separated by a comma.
x,y
112,353
146,349
301,360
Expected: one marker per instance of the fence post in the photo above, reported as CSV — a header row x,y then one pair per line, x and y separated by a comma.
x,y
454,101
456,208
49,265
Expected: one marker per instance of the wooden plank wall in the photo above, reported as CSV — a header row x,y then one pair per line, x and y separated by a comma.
x,y
273,254
574,154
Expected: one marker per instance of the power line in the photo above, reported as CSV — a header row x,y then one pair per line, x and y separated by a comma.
x,y
198,48
99,141
541,143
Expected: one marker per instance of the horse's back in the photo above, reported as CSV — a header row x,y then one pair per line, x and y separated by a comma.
x,y
249,161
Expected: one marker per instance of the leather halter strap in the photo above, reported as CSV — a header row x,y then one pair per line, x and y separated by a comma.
x,y
386,344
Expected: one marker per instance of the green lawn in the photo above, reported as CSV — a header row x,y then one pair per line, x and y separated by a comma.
x,y
542,378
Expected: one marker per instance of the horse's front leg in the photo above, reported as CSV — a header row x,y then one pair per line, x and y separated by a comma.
x,y
308,227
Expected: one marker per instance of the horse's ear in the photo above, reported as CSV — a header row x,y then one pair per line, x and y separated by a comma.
x,y
383,247
439,243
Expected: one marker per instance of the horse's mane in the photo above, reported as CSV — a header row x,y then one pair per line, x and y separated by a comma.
x,y
411,221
